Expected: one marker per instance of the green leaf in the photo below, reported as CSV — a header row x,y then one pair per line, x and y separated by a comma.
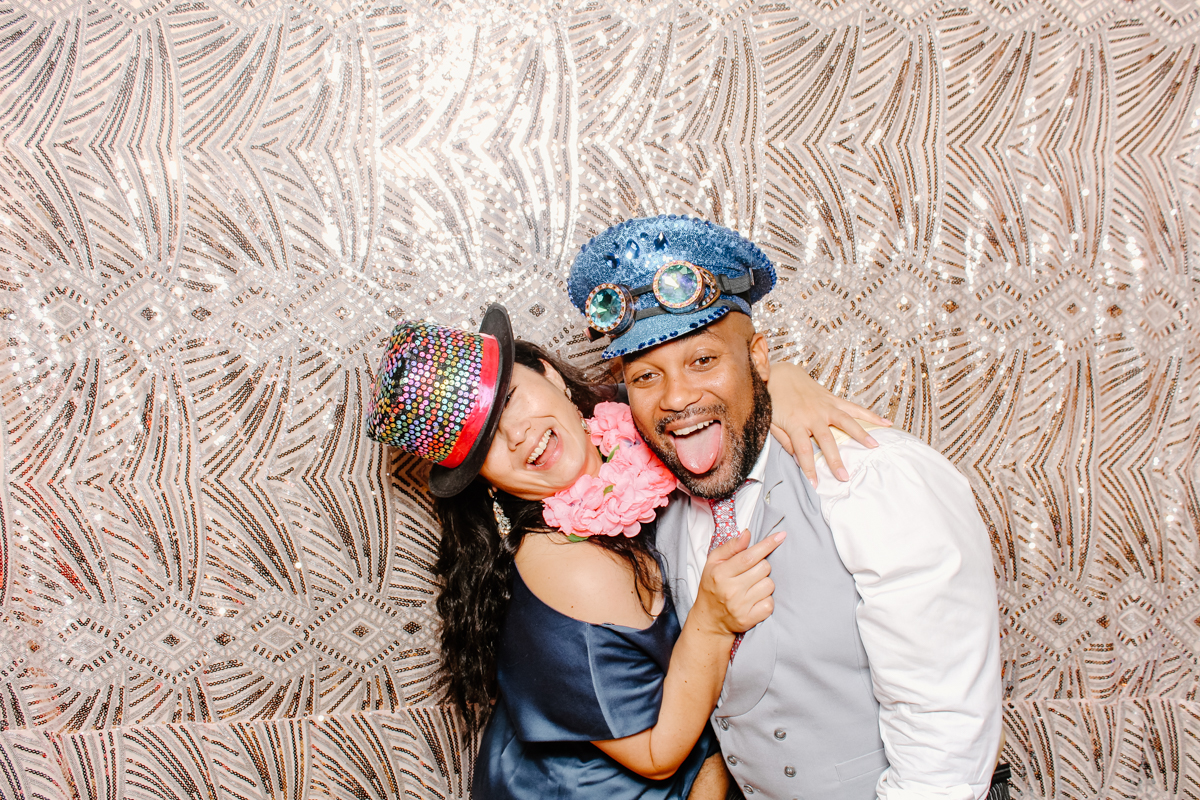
x,y
573,538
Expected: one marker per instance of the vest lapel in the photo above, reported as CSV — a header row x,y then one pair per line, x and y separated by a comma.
x,y
672,541
767,517
751,671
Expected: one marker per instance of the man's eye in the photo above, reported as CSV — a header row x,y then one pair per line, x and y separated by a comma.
x,y
642,378
509,396
704,360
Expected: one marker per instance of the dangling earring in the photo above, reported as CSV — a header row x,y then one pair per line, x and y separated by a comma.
x,y
502,522
586,428
567,391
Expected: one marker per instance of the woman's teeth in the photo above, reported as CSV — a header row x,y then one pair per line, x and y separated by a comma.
x,y
541,448
694,428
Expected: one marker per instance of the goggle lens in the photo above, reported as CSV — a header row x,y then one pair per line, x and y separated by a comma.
x,y
678,286
607,307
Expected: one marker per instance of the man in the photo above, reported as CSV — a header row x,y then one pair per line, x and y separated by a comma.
x,y
878,673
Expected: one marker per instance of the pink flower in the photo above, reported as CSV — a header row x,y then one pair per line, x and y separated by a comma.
x,y
653,474
574,506
627,490
612,426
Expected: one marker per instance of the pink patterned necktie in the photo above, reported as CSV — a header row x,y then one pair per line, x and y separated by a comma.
x,y
726,528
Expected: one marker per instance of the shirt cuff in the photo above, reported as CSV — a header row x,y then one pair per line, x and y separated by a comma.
x,y
918,791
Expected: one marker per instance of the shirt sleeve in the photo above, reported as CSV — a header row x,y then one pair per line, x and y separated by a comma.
x,y
907,528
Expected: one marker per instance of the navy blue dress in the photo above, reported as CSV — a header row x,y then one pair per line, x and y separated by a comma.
x,y
564,684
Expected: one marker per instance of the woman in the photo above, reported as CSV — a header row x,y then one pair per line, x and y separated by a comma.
x,y
601,692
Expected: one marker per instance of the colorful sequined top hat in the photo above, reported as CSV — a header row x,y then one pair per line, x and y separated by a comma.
x,y
435,395
646,281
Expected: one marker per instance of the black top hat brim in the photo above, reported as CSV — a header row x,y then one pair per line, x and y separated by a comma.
x,y
449,481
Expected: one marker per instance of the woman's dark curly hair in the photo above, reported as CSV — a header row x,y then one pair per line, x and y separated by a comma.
x,y
475,563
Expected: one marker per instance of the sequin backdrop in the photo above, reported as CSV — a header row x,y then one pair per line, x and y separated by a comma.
x,y
212,212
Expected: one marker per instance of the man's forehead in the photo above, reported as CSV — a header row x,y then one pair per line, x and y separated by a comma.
x,y
727,330
702,333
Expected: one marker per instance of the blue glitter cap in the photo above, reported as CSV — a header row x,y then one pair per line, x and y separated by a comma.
x,y
631,253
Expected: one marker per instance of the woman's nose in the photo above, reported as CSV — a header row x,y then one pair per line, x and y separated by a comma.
x,y
514,427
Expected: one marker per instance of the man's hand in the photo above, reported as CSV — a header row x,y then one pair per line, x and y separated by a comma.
x,y
803,410
736,589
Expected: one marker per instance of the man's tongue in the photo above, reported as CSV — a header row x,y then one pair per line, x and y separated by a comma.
x,y
698,451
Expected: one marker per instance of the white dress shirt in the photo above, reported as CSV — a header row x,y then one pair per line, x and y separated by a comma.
x,y
907,528
700,519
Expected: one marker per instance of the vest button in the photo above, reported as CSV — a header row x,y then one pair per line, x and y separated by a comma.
x,y
789,771
780,734
748,789
724,723
732,761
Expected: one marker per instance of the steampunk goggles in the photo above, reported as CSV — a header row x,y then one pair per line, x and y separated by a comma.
x,y
679,287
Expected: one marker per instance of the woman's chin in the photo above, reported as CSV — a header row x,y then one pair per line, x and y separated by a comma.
x,y
565,476
565,479
567,462
558,473
543,485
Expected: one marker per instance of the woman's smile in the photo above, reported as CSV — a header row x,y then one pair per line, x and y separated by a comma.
x,y
540,447
543,455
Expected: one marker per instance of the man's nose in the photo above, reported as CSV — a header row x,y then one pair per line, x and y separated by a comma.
x,y
678,393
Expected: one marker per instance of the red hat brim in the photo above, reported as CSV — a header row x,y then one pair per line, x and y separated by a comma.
x,y
449,481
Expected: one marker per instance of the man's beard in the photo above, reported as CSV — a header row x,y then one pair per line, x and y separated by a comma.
x,y
744,446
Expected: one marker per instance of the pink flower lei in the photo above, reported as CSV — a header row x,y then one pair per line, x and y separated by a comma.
x,y
631,484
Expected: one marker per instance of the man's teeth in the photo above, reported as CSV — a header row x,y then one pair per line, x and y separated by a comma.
x,y
541,448
694,428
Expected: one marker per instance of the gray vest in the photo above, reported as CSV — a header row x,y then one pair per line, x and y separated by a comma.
x,y
798,717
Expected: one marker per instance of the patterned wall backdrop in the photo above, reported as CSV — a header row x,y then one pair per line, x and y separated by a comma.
x,y
986,223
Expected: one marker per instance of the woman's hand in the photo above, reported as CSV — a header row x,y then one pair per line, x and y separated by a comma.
x,y
802,408
736,589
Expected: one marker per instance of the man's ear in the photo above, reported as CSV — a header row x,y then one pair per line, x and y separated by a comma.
x,y
759,356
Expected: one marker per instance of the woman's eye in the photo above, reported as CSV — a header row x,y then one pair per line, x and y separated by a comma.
x,y
509,396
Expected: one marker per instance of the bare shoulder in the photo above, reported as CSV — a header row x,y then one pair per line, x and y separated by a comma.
x,y
582,581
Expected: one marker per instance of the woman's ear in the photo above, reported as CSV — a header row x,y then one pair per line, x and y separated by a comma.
x,y
552,375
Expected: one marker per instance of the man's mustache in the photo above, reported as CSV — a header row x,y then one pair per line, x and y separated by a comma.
x,y
716,410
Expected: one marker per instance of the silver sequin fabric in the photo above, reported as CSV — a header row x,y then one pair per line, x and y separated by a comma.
x,y
212,585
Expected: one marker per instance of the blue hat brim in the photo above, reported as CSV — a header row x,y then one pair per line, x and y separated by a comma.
x,y
449,481
653,331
